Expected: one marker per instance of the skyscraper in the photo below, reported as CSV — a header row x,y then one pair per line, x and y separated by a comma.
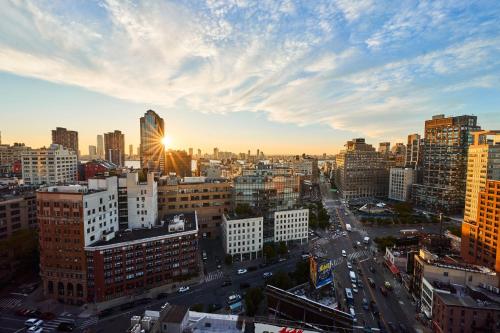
x,y
130,151
65,138
413,152
480,226
114,145
444,163
216,153
92,152
100,146
152,149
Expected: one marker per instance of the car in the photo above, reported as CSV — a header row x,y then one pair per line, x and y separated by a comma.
x,y
360,284
344,253
344,233
358,243
226,283
349,265
267,275
204,255
244,285
233,298
33,322
372,269
365,304
66,327
354,288
387,285
241,271
184,289
383,290
219,266
282,259
371,282
47,316
35,329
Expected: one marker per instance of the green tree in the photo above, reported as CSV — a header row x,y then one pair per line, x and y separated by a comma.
x,y
252,300
281,280
269,251
301,273
228,259
242,209
282,249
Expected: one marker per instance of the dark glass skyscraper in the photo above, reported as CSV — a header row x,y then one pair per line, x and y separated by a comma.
x,y
152,149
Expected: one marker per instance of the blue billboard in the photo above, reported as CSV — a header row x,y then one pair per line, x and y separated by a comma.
x,y
320,271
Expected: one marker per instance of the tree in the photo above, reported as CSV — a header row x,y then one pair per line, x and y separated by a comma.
x,y
269,252
281,280
22,250
242,209
252,300
282,249
301,273
228,259
197,307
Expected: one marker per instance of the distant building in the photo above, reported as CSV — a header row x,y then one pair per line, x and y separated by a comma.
x,y
100,146
10,158
97,168
291,226
17,212
49,166
92,152
130,151
242,236
216,153
361,171
444,163
307,166
152,149
384,148
114,147
136,262
66,138
70,218
414,152
210,198
178,162
400,183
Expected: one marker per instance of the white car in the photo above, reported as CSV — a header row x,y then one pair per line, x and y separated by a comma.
x,y
354,288
344,254
33,322
241,271
349,265
35,329
183,289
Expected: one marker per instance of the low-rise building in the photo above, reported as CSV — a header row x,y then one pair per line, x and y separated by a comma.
x,y
291,226
400,183
242,236
55,165
142,200
463,313
134,262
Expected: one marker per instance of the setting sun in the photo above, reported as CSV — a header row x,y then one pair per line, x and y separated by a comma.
x,y
166,141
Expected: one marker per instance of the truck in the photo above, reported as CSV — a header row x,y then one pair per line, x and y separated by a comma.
x,y
366,240
352,275
348,227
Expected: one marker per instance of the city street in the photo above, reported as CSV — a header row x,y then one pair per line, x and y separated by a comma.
x,y
396,307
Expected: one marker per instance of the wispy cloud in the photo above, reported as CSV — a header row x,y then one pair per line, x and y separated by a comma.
x,y
346,64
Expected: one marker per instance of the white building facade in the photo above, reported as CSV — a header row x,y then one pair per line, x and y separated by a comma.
x,y
49,166
400,182
291,225
142,200
243,237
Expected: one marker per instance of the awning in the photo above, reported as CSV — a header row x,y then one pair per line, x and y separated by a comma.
x,y
394,270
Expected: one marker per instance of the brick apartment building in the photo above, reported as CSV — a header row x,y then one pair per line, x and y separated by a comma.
x,y
211,198
17,211
135,261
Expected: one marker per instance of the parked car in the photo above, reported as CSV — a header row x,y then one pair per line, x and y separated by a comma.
x,y
267,275
365,304
349,265
233,298
241,271
66,327
344,253
183,289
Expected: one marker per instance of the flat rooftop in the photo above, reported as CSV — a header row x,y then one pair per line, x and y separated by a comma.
x,y
466,301
129,235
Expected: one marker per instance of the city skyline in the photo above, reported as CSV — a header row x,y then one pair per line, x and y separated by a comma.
x,y
285,77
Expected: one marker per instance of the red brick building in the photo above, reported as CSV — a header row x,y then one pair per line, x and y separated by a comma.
x,y
462,314
134,262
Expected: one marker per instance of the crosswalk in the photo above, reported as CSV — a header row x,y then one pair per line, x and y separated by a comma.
x,y
350,257
7,303
51,325
89,322
215,275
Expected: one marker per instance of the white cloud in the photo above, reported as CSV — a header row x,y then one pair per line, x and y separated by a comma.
x,y
268,59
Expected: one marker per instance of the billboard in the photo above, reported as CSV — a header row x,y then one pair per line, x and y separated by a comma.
x,y
320,272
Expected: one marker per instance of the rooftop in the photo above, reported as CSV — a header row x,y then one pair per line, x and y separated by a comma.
x,y
128,235
466,301
176,313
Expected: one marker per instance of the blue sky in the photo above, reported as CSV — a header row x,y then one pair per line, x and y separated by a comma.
x,y
282,76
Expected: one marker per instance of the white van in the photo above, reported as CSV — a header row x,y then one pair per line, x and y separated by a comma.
x,y
353,314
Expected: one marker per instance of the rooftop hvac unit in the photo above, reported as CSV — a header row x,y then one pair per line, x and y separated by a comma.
x,y
146,323
135,320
